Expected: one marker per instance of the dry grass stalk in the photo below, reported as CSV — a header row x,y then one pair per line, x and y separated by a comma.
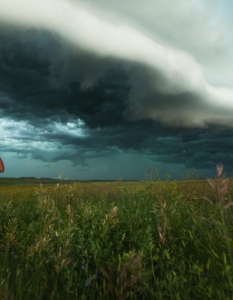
x,y
130,276
162,233
111,218
220,185
5,293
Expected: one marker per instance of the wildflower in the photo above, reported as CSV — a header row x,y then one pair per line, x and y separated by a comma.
x,y
69,265
13,250
87,282
60,221
83,264
197,235
220,276
205,274
210,224
94,276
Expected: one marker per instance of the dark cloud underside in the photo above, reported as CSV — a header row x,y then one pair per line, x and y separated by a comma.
x,y
43,81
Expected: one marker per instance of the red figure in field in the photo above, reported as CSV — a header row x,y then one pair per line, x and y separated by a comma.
x,y
2,169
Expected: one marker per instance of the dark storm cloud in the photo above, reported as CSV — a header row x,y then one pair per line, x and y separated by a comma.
x,y
76,105
28,81
171,49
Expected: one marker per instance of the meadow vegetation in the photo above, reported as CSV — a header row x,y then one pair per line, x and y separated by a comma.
x,y
121,240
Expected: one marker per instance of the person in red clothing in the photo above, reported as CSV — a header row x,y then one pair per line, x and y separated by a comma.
x,y
2,168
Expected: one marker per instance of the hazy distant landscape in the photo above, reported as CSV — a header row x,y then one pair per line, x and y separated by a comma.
x,y
35,181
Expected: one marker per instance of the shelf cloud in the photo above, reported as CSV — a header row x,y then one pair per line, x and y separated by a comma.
x,y
116,76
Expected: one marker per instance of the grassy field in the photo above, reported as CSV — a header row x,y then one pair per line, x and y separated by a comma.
x,y
119,240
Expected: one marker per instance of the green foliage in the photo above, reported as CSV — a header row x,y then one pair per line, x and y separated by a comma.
x,y
117,241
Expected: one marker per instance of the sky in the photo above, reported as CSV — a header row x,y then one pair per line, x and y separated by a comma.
x,y
104,89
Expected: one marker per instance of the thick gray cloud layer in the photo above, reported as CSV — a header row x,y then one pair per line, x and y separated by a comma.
x,y
82,79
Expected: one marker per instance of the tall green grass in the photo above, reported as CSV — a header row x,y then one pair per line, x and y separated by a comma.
x,y
151,240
